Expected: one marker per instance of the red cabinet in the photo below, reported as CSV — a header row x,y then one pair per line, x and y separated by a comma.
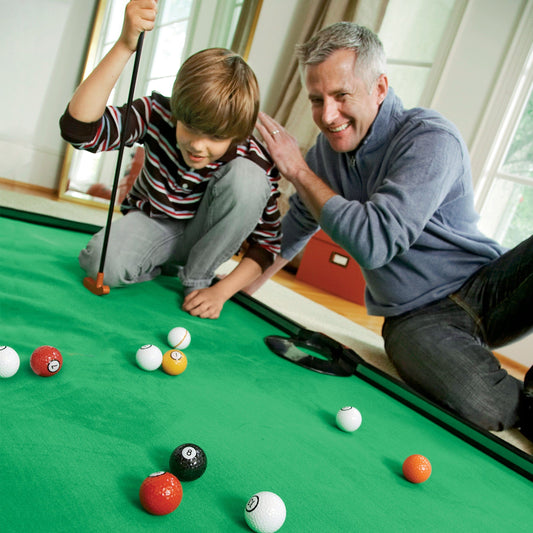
x,y
327,266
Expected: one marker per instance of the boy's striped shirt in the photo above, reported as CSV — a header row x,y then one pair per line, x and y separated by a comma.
x,y
167,186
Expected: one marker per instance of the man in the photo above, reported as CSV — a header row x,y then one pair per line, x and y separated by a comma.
x,y
393,187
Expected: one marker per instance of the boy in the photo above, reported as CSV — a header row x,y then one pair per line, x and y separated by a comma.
x,y
206,185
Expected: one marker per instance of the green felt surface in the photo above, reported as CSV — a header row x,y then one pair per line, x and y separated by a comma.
x,y
76,447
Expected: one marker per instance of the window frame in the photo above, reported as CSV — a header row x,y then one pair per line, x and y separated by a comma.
x,y
504,110
436,65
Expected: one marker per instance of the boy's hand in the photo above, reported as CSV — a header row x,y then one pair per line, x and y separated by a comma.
x,y
140,16
204,303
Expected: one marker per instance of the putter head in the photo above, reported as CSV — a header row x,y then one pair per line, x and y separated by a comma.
x,y
96,286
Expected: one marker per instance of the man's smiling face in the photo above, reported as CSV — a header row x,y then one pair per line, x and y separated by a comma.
x,y
342,106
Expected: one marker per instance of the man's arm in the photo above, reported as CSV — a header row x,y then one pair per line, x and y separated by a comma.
x,y
276,266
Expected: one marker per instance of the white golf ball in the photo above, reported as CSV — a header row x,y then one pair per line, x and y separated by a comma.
x,y
265,512
9,362
349,419
149,357
179,338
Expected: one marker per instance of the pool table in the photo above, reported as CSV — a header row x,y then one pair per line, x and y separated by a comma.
x,y
76,446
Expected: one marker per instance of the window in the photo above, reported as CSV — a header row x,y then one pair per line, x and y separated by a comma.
x,y
182,28
412,32
175,37
169,41
505,193
507,213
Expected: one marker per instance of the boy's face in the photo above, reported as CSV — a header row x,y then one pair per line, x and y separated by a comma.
x,y
199,149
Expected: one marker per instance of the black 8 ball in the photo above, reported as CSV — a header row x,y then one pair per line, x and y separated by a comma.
x,y
188,462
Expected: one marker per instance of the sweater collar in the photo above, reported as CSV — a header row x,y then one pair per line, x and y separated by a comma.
x,y
380,129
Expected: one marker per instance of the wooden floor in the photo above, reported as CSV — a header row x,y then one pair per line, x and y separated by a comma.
x,y
350,310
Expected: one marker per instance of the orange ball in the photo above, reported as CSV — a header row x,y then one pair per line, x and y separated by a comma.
x,y
416,468
174,362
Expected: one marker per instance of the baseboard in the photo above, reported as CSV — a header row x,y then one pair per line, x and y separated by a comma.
x,y
510,364
27,187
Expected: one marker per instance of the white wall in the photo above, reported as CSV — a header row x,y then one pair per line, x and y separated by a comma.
x,y
41,46
273,46
474,62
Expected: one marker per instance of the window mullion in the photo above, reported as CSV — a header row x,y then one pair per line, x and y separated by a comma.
x,y
489,146
521,180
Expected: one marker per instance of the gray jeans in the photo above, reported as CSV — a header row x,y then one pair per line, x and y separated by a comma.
x,y
443,350
140,247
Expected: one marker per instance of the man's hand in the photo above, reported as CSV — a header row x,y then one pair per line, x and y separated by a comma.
x,y
282,146
286,154
278,264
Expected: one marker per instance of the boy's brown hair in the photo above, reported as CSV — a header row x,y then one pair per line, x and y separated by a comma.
x,y
216,93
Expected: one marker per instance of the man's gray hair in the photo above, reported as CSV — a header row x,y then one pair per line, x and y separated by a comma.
x,y
371,59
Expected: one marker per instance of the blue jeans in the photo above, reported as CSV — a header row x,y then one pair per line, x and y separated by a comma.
x,y
443,350
141,247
